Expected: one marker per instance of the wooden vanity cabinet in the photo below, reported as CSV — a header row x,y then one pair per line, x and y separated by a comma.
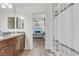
x,y
12,46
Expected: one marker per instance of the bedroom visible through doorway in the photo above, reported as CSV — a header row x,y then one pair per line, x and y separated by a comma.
x,y
38,28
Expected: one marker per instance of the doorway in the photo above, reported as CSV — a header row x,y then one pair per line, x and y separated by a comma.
x,y
38,30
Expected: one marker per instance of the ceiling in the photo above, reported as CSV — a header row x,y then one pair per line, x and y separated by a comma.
x,y
31,4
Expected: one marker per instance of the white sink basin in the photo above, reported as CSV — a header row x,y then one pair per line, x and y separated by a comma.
x,y
15,34
1,37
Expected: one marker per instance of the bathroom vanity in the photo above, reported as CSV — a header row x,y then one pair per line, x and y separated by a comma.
x,y
12,45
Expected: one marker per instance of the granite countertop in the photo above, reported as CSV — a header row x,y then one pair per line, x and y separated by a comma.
x,y
4,37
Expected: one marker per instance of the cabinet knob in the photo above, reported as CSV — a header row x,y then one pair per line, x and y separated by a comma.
x,y
2,51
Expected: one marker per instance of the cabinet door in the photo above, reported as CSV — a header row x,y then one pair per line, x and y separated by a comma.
x,y
3,51
11,50
22,43
7,51
18,46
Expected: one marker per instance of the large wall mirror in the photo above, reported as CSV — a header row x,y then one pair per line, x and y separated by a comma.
x,y
15,23
11,22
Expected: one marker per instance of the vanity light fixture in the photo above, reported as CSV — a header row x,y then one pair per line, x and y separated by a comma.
x,y
9,5
21,17
3,6
6,5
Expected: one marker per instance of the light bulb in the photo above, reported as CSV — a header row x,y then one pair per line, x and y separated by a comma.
x,y
6,5
21,17
3,6
9,6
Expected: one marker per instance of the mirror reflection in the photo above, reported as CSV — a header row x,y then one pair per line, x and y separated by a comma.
x,y
11,22
15,23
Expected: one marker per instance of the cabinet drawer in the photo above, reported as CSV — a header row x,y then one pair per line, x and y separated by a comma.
x,y
3,51
7,51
